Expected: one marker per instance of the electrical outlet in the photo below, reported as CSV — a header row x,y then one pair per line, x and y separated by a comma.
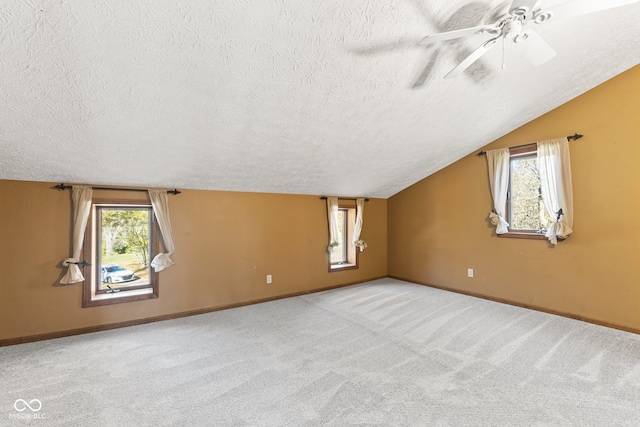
x,y
269,279
469,272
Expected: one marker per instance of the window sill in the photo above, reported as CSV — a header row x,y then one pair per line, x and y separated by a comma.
x,y
342,267
523,235
120,297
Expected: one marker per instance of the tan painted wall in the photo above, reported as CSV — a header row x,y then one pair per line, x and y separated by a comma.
x,y
438,227
226,244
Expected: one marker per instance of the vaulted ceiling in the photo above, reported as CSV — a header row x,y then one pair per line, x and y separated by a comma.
x,y
285,96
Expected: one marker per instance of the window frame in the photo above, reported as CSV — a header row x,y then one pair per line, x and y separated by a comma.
x,y
92,295
345,226
515,153
352,257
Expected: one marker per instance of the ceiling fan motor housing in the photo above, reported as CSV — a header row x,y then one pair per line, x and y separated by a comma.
x,y
512,28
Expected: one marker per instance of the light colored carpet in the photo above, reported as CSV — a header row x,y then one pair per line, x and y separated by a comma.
x,y
384,353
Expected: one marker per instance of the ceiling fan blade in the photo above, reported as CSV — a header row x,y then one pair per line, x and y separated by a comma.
x,y
475,55
457,33
384,46
579,7
535,48
525,6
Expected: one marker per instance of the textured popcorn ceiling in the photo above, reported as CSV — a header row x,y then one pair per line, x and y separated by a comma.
x,y
285,96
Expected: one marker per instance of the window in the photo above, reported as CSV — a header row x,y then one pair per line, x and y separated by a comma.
x,y
526,213
531,190
344,256
121,239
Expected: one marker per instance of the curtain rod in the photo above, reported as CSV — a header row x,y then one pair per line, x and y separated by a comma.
x,y
570,137
344,198
68,187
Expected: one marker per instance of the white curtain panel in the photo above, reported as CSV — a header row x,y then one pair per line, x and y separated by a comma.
x,y
82,197
360,244
498,164
554,166
332,215
160,203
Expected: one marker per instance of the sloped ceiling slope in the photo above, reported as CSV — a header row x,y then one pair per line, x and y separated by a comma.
x,y
284,96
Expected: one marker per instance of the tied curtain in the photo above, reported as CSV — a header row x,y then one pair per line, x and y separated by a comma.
x,y
360,244
160,203
554,166
498,164
332,215
81,197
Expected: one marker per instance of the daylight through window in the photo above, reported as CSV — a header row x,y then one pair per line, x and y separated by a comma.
x,y
120,239
344,256
125,235
524,202
339,253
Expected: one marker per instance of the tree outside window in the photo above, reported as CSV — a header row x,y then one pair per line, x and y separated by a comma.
x,y
124,243
526,209
121,239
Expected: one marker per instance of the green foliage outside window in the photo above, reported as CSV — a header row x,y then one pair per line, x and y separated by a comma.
x,y
126,231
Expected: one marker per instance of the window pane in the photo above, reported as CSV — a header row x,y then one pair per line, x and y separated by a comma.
x,y
527,211
339,254
124,247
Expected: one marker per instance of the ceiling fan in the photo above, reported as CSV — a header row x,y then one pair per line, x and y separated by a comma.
x,y
515,27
